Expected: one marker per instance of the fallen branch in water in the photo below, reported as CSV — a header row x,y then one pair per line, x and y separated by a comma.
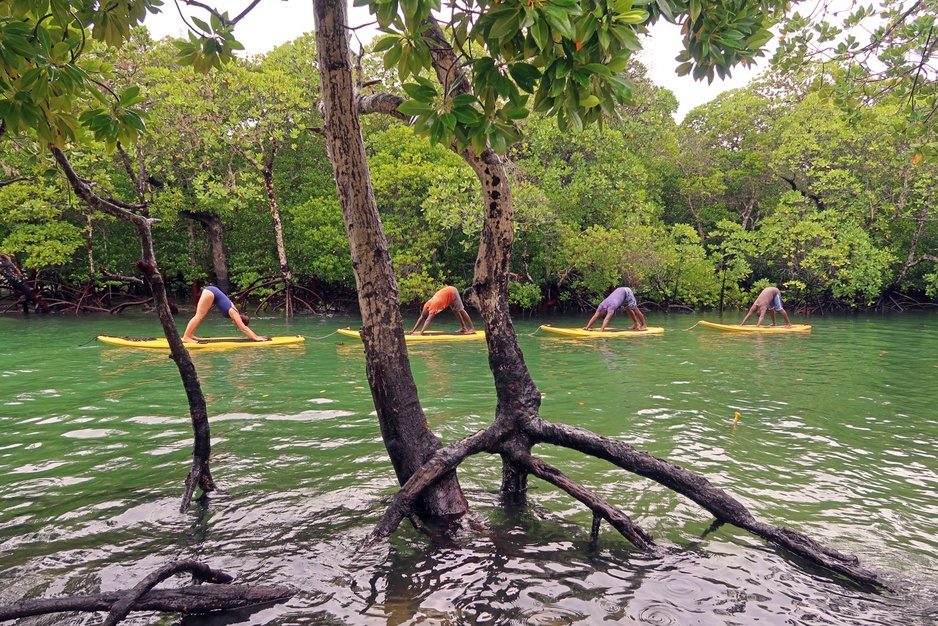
x,y
187,600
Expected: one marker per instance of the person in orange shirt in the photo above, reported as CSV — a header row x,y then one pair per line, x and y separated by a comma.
x,y
445,297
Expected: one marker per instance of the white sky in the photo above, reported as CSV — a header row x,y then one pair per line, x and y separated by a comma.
x,y
277,21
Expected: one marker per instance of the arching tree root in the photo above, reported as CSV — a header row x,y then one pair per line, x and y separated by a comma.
x,y
720,504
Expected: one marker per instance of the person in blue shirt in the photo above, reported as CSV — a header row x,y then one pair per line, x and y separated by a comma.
x,y
622,296
214,296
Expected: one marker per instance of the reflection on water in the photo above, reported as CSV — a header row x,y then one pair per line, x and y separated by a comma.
x,y
836,437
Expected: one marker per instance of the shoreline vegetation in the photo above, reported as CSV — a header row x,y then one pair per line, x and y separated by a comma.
x,y
70,299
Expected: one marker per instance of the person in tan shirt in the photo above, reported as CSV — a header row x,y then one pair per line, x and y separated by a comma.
x,y
770,299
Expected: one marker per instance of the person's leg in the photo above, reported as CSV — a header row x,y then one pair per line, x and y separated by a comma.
x,y
637,317
206,300
772,311
785,315
465,321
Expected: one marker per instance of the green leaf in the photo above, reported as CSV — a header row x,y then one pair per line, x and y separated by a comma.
x,y
414,108
589,102
598,68
421,92
525,75
505,26
449,120
386,43
201,25
635,16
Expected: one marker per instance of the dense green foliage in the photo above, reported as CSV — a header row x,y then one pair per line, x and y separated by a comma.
x,y
775,184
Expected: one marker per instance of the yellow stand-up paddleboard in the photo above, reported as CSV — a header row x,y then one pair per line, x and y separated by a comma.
x,y
609,332
430,335
736,328
207,342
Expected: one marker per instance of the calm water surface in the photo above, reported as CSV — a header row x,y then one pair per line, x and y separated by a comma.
x,y
837,437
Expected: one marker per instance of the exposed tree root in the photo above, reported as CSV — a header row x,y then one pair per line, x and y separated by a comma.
x,y
187,600
720,504
600,508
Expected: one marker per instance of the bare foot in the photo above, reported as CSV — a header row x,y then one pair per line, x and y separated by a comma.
x,y
191,340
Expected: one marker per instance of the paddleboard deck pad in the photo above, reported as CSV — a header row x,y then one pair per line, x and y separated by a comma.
x,y
736,328
609,332
207,342
430,335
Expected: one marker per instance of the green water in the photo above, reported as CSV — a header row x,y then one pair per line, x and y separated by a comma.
x,y
837,437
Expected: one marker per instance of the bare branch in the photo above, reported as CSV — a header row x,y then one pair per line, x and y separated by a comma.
x,y
385,103
599,507
698,489
200,571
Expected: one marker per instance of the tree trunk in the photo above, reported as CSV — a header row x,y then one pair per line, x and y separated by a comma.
x,y
17,281
278,235
518,398
216,237
403,424
200,474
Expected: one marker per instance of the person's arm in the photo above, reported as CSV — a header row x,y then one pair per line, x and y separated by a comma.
x,y
748,315
430,316
419,321
606,320
236,318
592,320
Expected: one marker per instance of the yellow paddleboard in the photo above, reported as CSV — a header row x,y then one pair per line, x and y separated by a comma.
x,y
609,332
430,335
736,328
207,342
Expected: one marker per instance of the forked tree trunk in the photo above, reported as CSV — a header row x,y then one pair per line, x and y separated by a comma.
x,y
518,426
518,397
199,475
403,424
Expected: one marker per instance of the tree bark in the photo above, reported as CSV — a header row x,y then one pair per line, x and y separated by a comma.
x,y
404,427
216,237
285,272
518,398
199,475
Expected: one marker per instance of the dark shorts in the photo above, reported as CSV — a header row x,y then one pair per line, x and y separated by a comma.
x,y
222,302
457,304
